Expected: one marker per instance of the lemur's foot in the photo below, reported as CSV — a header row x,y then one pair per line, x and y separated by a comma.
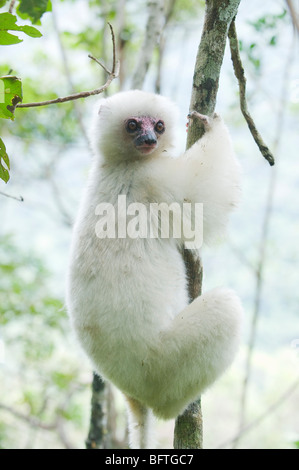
x,y
202,117
206,120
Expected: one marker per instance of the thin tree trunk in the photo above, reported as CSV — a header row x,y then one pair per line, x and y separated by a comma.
x,y
153,31
218,16
97,436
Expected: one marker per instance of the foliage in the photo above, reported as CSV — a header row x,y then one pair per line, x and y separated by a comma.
x,y
57,124
8,23
267,27
33,9
20,273
42,375
33,330
11,97
27,9
4,162
185,10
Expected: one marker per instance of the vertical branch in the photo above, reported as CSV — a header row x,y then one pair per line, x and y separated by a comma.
x,y
161,51
121,39
97,435
151,38
239,72
293,9
218,16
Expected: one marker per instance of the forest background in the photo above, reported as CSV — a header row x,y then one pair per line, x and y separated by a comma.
x,y
44,376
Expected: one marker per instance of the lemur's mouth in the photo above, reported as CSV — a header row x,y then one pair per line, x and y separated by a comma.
x,y
146,142
146,148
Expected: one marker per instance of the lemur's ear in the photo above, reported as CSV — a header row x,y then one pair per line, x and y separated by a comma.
x,y
101,105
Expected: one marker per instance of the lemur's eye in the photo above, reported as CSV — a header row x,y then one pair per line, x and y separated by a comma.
x,y
132,125
159,127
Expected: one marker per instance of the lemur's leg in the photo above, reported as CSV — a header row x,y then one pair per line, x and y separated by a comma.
x,y
140,421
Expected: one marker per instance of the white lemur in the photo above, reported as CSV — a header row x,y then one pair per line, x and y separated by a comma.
x,y
127,296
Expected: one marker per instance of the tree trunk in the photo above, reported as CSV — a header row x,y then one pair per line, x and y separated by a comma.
x,y
97,436
152,35
218,17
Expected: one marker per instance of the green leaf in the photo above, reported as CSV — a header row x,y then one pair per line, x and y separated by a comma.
x,y
273,41
6,38
33,9
2,3
8,23
4,169
10,95
30,31
269,21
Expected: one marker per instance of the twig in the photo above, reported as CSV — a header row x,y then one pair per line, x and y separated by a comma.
x,y
31,420
12,4
264,415
239,72
83,94
100,63
20,198
115,65
294,15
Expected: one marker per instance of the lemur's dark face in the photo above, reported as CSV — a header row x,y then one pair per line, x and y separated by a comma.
x,y
144,132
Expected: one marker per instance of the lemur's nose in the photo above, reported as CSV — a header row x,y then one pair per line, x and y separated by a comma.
x,y
150,140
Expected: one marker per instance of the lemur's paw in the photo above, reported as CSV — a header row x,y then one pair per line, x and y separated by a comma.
x,y
207,121
202,117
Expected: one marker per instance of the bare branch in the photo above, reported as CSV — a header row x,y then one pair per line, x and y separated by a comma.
x,y
285,396
11,6
31,420
83,94
114,63
100,63
17,198
239,72
294,14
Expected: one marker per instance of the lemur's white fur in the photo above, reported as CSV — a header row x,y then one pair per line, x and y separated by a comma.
x,y
128,298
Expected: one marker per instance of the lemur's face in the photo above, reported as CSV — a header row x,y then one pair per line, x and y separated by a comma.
x,y
144,132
